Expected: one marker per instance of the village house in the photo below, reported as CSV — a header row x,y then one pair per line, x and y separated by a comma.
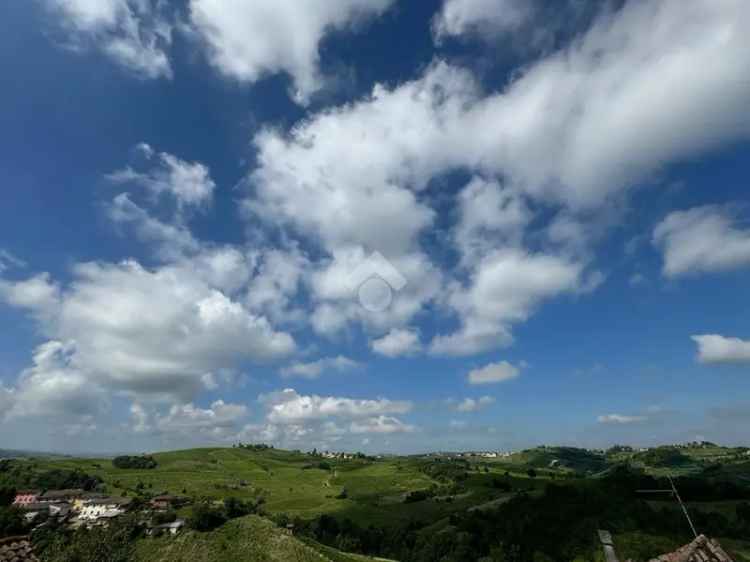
x,y
78,502
33,509
25,497
172,528
59,496
59,510
103,508
166,501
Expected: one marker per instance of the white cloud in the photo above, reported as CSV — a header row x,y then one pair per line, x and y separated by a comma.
x,y
505,289
141,422
38,294
189,183
493,373
547,134
134,33
620,419
153,332
171,239
485,17
55,386
397,343
380,424
218,420
289,407
9,261
490,216
279,275
249,40
701,240
713,348
313,369
295,420
474,405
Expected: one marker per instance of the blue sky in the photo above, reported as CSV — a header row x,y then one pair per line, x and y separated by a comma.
x,y
373,224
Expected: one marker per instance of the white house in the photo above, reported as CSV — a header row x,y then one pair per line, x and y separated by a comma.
x,y
103,508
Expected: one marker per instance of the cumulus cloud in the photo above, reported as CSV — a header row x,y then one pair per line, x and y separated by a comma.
x,y
493,373
474,404
491,216
38,294
249,40
153,332
189,183
546,134
397,343
134,33
218,420
380,424
505,289
313,369
702,240
484,17
293,419
54,386
713,348
620,419
290,407
171,240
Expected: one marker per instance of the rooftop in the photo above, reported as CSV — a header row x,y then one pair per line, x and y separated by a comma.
x,y
16,549
702,549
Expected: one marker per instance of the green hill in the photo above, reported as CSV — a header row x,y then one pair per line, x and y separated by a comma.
x,y
572,458
248,539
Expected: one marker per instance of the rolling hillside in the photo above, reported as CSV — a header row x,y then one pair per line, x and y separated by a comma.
x,y
249,539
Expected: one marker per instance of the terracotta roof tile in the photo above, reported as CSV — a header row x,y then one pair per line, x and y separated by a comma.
x,y
701,549
16,549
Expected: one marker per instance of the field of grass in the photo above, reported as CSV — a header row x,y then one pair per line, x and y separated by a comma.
x,y
292,483
248,539
374,492
287,482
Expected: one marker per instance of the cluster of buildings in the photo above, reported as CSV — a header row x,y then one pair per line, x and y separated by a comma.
x,y
335,455
74,505
475,454
82,508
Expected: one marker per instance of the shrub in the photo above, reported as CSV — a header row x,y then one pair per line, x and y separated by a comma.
x,y
139,462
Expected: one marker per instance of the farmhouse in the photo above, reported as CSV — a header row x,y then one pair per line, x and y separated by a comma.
x,y
172,528
33,509
57,496
166,501
25,497
103,508
78,502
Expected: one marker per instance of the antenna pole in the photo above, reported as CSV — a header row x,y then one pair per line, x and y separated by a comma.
x,y
682,505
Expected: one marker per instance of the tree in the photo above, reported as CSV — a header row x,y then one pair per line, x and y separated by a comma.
x,y
531,472
203,517
141,462
11,521
7,495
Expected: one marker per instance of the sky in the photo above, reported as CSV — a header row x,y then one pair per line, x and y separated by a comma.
x,y
373,225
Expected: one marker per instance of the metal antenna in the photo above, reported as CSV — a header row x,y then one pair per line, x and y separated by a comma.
x,y
673,491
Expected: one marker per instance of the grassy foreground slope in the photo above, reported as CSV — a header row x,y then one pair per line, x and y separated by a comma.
x,y
248,539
